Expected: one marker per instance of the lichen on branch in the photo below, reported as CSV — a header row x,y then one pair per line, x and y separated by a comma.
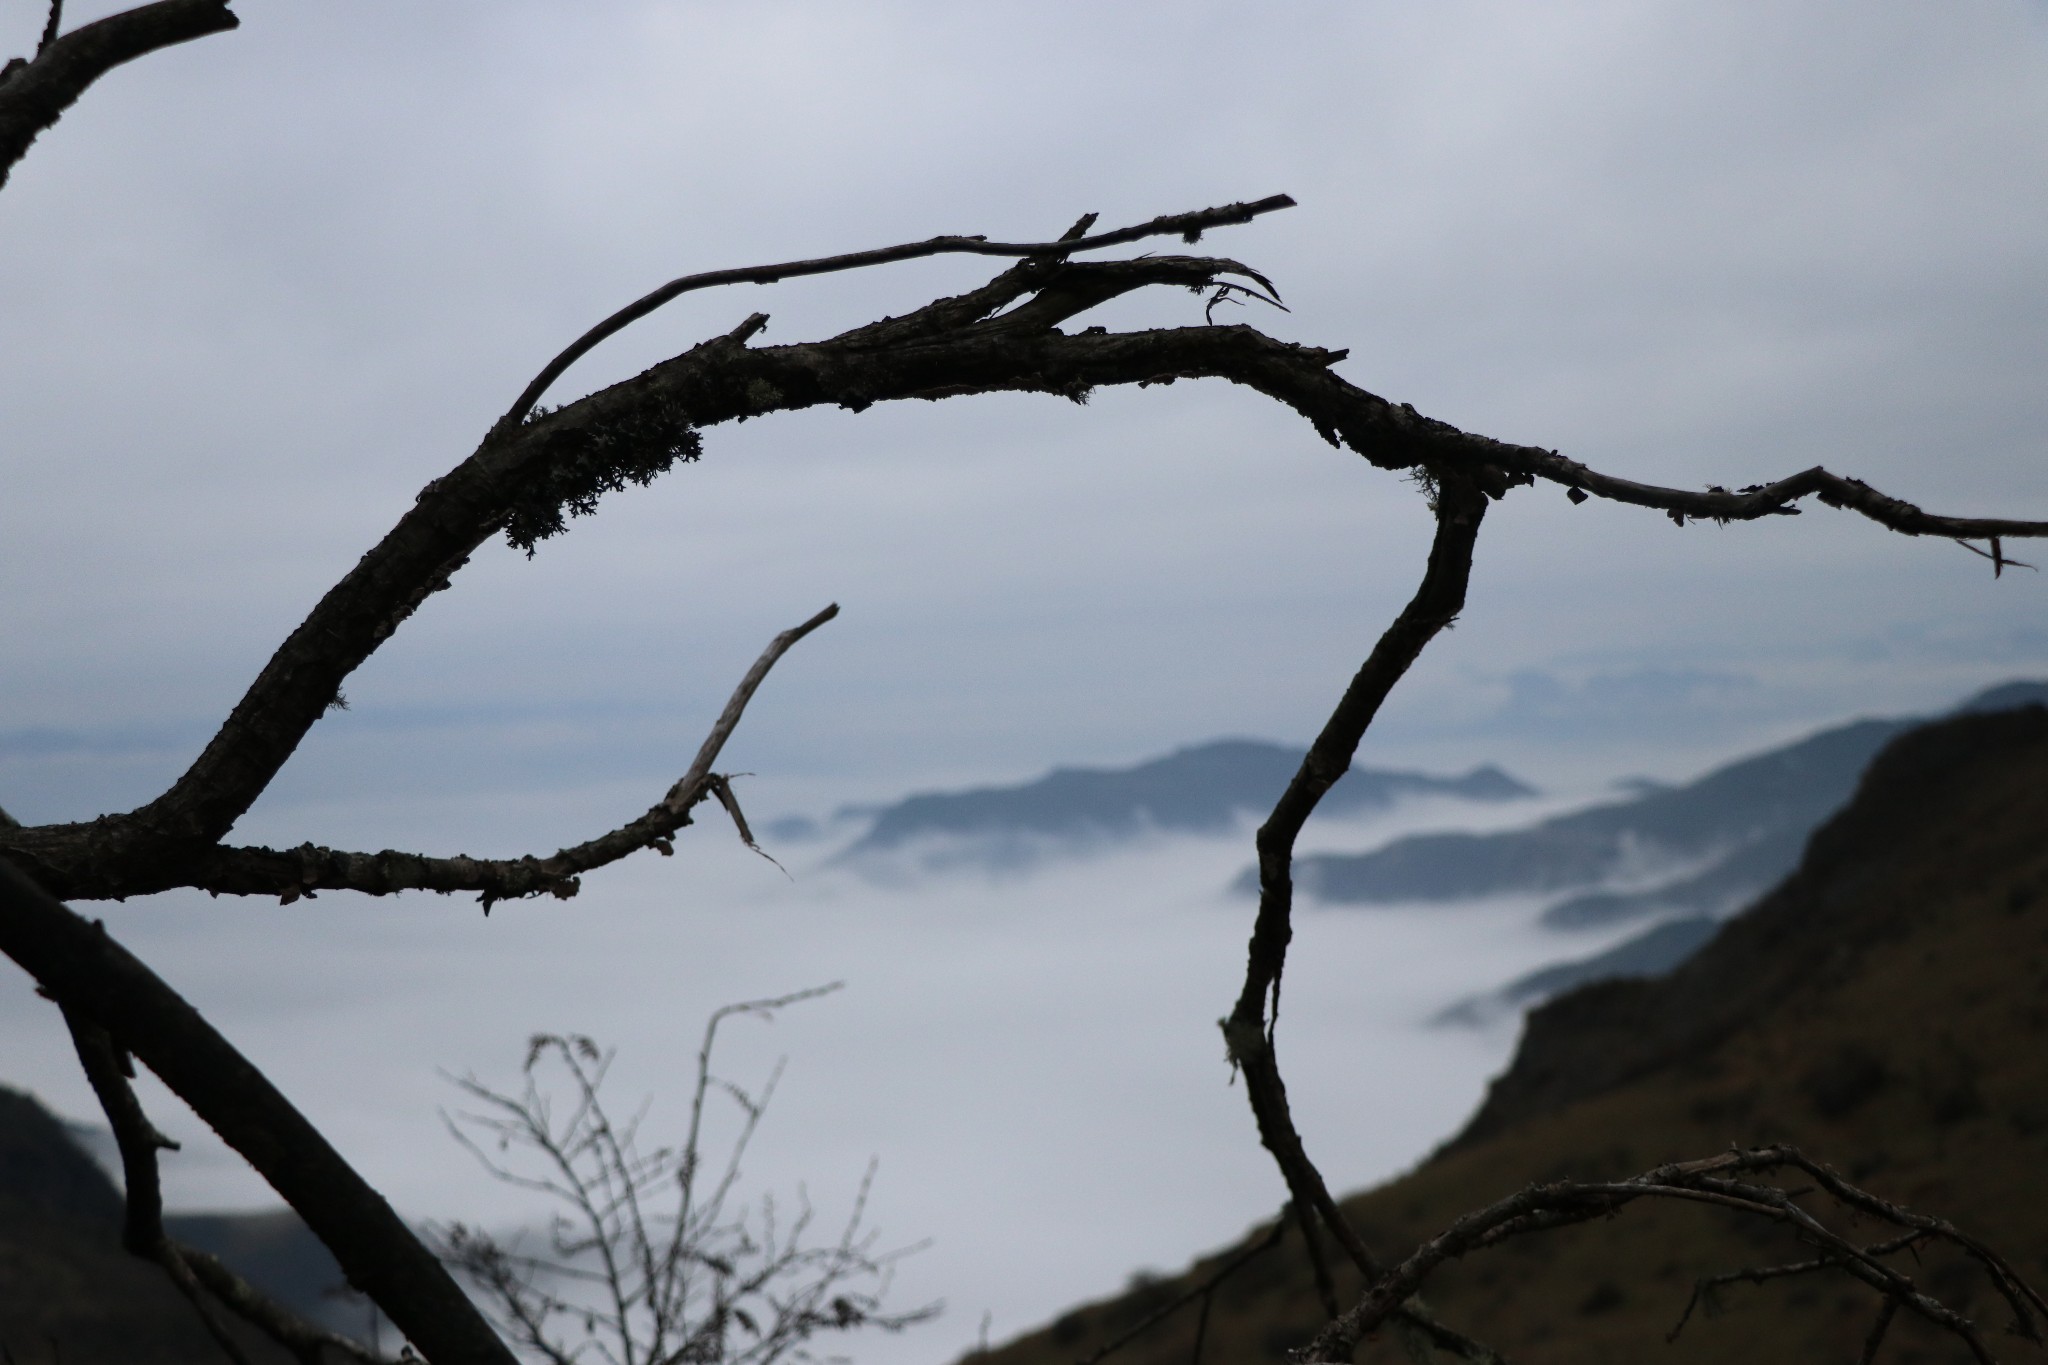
x,y
583,461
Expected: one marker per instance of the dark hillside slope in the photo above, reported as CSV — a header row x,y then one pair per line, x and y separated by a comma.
x,y
69,1293
1801,938
67,1290
1886,1009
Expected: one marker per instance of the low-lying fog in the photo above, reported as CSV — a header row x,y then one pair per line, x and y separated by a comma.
x,y
1034,1060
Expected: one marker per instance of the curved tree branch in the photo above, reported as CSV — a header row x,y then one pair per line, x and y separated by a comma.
x,y
521,481
525,480
291,873
1188,227
1765,500
35,94
1248,1032
302,871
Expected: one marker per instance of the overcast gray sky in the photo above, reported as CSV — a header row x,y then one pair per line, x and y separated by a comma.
x,y
259,289
255,291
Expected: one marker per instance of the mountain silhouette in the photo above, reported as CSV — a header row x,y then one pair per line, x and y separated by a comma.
x,y
1202,789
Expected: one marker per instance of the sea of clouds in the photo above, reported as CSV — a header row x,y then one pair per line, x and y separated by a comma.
x,y
1033,1059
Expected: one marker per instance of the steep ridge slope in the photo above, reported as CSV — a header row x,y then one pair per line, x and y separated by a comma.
x,y
67,1290
1886,1009
1707,847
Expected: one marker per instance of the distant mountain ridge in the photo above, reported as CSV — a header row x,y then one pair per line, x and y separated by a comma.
x,y
1200,789
1729,834
1732,808
1688,908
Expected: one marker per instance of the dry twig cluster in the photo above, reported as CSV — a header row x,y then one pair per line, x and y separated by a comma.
x,y
649,1259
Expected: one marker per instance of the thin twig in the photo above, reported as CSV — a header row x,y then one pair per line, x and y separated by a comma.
x,y
1712,1180
1189,226
1248,1032
194,1273
1703,1289
299,872
690,1281
1885,1313
1179,1301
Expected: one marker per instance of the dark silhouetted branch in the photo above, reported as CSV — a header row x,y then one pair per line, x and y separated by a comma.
x,y
1725,1181
191,1271
2000,561
528,477
1704,1290
1204,1290
522,481
1886,1311
1767,499
1188,226
35,94
1248,1032
291,873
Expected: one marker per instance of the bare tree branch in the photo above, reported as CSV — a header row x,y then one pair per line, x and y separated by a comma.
x,y
1540,1208
307,869
1188,226
51,25
1704,1290
1768,499
86,971
310,1342
143,1235
1203,1289
302,871
35,94
525,479
1248,1032
1885,1313
652,1261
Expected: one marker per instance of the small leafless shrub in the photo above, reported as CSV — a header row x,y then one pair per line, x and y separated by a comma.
x,y
651,1257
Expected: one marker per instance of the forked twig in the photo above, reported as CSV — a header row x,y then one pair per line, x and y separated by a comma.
x,y
194,1273
1187,226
